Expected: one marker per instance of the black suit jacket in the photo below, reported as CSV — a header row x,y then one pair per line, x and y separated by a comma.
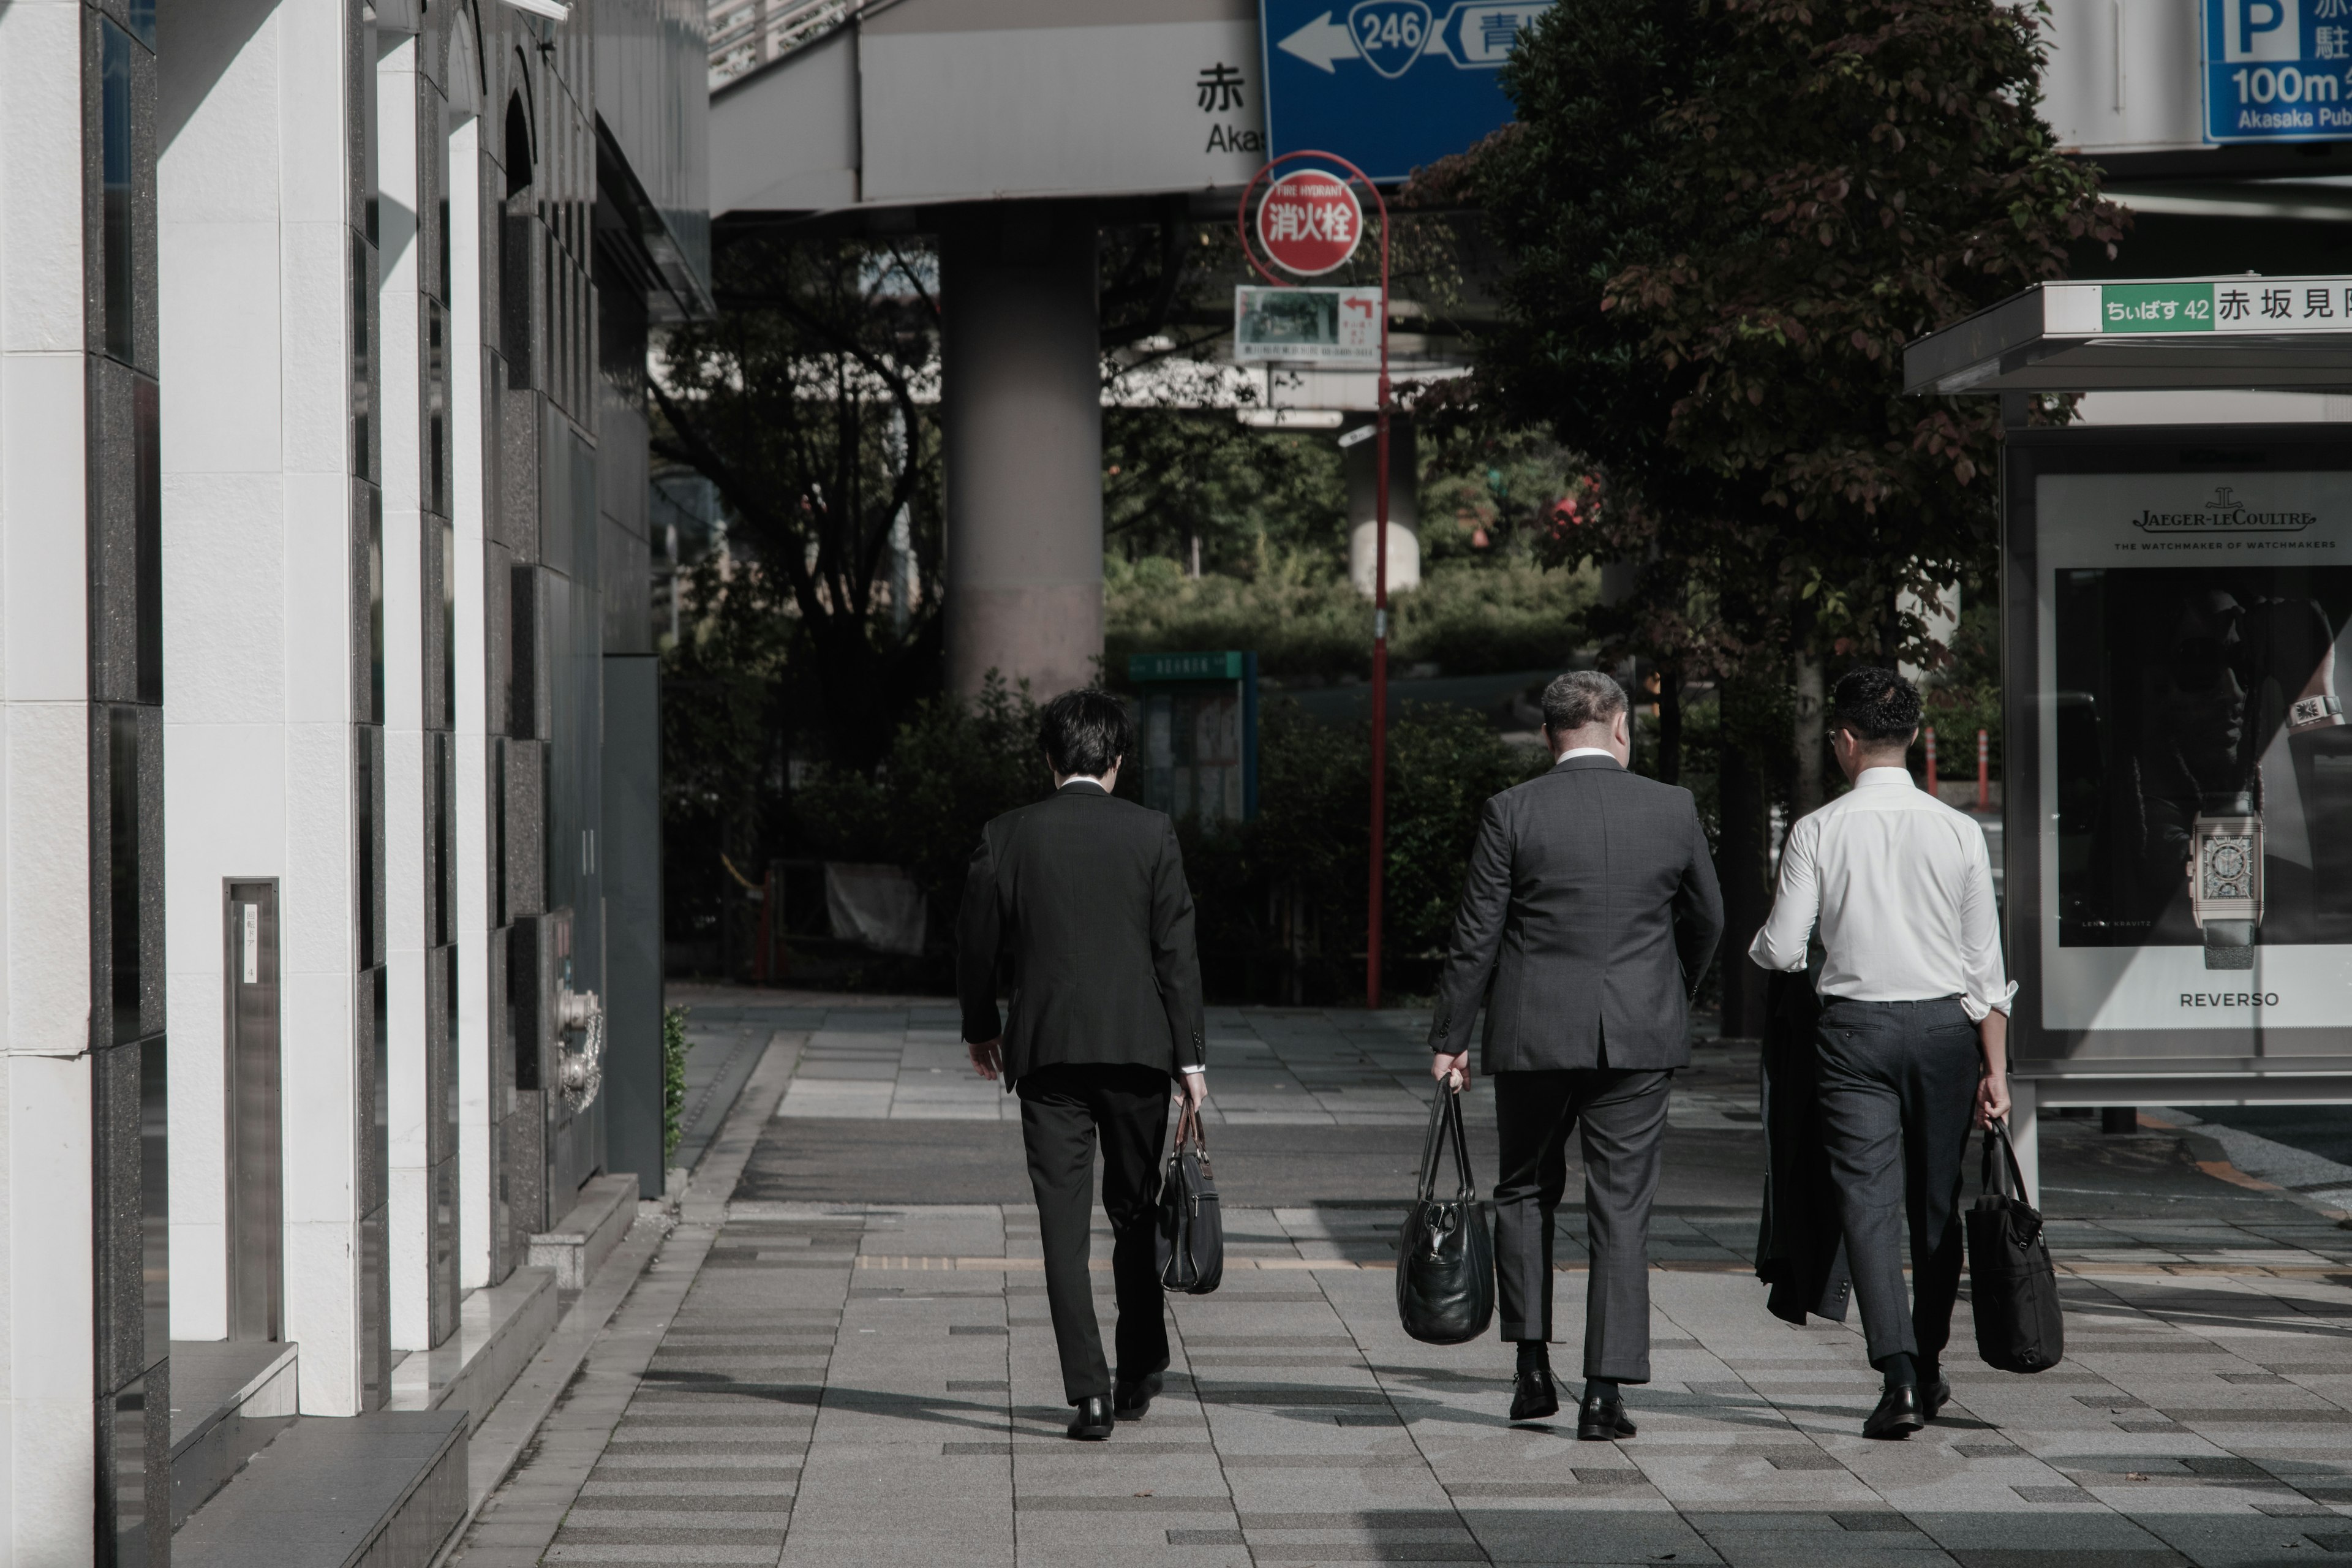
x,y
1087,894
1591,904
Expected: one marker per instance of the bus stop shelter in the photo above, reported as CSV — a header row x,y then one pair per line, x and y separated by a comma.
x,y
2178,809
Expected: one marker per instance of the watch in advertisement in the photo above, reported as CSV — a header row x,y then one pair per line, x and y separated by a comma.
x,y
2308,713
2225,881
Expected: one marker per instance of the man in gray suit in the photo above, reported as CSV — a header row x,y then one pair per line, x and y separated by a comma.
x,y
1592,907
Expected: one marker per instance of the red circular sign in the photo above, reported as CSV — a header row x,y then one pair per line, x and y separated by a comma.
x,y
1310,222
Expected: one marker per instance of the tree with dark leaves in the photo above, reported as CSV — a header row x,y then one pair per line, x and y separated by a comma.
x,y
809,401
1724,220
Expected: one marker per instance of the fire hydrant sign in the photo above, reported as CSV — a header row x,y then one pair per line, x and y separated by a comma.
x,y
1310,222
2278,70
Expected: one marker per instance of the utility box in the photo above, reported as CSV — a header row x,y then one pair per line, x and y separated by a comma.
x,y
1196,727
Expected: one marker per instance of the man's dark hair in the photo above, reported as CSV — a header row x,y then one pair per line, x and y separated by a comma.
x,y
1581,697
1086,732
1877,705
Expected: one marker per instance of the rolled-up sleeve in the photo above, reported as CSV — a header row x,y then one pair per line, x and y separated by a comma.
x,y
1796,905
1988,988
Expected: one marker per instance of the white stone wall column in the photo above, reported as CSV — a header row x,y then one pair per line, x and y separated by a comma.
x,y
269,473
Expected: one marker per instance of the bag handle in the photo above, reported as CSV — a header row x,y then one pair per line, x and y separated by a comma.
x,y
1190,1128
1426,1189
1468,1191
1998,1129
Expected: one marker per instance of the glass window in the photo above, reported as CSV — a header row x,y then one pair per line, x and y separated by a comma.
x,y
115,161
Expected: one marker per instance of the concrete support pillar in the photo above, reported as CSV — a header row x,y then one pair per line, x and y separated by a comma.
x,y
1023,408
1360,463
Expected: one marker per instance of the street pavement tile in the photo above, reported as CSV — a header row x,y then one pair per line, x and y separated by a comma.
x,y
805,1411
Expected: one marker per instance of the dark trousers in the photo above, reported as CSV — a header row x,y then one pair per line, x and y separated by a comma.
x,y
1623,1112
1898,1085
1064,1112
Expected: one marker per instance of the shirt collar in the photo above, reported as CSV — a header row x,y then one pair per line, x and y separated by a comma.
x,y
1083,779
1587,751
1884,778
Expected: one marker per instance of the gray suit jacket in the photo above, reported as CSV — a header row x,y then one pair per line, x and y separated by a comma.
x,y
1592,906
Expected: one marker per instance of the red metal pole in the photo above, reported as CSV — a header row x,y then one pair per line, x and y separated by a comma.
x,y
1380,634
1379,553
1984,771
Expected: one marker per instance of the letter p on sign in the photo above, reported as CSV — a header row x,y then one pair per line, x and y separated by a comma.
x,y
2261,29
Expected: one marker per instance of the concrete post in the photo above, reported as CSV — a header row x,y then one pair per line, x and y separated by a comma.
x,y
1023,415
1359,466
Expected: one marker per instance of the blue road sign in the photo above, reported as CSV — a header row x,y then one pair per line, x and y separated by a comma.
x,y
1390,85
2278,70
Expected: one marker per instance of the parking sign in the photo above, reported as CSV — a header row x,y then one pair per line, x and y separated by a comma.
x,y
2278,70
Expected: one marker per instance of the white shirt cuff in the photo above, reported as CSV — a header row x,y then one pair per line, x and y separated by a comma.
x,y
1976,1008
1200,1068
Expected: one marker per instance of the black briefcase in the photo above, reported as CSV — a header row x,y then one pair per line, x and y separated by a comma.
x,y
2014,1288
1191,1227
1445,1255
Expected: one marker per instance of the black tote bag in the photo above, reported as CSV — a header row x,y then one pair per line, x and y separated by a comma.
x,y
2014,1288
1191,1227
1445,1256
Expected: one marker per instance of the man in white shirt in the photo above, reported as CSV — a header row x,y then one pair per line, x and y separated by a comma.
x,y
1914,1030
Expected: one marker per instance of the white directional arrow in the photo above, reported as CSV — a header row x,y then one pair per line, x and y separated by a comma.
x,y
1319,43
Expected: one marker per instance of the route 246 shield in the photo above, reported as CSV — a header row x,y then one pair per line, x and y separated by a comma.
x,y
1390,34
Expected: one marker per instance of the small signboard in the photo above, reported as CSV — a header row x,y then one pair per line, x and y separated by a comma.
x,y
1306,326
1389,85
2278,70
1198,722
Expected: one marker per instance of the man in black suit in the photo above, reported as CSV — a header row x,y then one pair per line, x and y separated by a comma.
x,y
1591,907
1086,893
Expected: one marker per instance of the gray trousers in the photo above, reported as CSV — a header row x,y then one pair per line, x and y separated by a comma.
x,y
1623,1112
1898,1085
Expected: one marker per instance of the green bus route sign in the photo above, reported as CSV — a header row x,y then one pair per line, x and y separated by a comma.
x,y
1150,667
2246,304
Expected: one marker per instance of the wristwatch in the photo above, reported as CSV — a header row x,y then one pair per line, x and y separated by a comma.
x,y
2308,713
2225,882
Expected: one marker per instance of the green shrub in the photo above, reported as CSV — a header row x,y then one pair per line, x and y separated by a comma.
x,y
951,767
1302,616
1281,899
674,1048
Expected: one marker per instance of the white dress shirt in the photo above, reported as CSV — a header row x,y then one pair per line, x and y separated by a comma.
x,y
1587,752
1902,887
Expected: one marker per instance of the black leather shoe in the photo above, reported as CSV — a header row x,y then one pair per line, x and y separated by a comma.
x,y
1129,1401
1932,1403
1897,1414
1533,1397
1092,1424
1603,1421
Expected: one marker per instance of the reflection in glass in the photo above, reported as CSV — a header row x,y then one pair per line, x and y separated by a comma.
x,y
2204,770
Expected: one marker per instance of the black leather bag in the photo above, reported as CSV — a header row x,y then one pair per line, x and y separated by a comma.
x,y
1192,1225
1445,1255
2014,1288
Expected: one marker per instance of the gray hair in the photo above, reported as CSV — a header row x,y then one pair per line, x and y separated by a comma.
x,y
1580,698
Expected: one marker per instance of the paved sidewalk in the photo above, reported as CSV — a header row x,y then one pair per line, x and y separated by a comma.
x,y
870,1383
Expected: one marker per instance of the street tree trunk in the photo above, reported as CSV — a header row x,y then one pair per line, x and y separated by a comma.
x,y
1670,726
1742,864
1806,796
